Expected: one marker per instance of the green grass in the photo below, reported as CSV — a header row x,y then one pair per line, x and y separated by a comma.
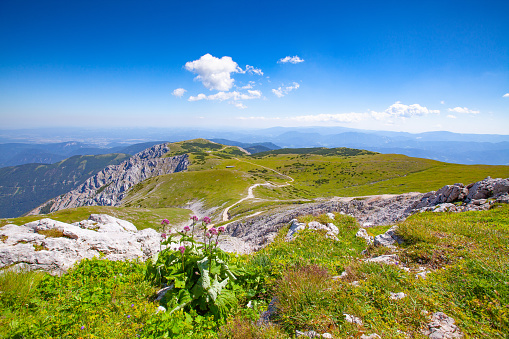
x,y
141,217
467,254
213,187
220,176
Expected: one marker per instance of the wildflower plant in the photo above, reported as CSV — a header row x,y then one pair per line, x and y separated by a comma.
x,y
197,270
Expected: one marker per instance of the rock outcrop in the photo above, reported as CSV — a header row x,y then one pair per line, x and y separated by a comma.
x,y
261,229
331,230
459,198
55,246
442,327
110,186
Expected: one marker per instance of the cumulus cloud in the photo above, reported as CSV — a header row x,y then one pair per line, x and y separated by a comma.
x,y
505,95
251,70
238,104
179,92
282,91
450,116
292,60
463,110
222,96
214,73
399,110
249,85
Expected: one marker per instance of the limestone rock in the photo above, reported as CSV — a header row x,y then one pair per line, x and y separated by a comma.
x,y
389,238
442,326
362,233
397,296
111,185
308,334
352,319
371,336
55,246
295,226
389,259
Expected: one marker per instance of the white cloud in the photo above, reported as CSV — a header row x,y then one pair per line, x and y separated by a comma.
x,y
221,96
252,70
463,110
505,95
442,102
179,92
238,104
399,110
282,91
249,85
292,60
213,72
450,116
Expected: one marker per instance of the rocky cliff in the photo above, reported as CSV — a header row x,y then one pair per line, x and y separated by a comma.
x,y
258,230
110,186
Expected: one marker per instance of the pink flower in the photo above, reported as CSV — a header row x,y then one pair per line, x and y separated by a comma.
x,y
165,222
208,234
217,242
187,229
194,218
163,235
220,229
182,249
213,231
206,220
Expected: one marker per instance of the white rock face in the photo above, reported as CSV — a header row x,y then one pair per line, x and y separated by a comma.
x,y
389,238
352,319
362,233
397,296
55,246
295,226
389,259
442,326
110,186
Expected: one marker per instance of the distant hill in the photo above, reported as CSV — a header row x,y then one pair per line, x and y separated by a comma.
x,y
25,187
13,154
250,147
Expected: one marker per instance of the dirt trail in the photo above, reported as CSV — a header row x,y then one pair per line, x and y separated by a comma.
x,y
250,194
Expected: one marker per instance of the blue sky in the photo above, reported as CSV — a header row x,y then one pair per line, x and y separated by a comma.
x,y
392,65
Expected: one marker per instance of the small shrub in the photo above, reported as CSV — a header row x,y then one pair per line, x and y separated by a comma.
x,y
52,233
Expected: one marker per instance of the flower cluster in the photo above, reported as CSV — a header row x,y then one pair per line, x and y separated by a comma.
x,y
187,239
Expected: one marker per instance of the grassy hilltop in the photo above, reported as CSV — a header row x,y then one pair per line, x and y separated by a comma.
x,y
465,254
220,175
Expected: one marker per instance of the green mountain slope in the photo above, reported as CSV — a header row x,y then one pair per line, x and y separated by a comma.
x,y
220,176
25,187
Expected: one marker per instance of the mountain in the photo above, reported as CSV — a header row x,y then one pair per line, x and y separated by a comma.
x,y
24,187
13,154
437,145
109,186
252,148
